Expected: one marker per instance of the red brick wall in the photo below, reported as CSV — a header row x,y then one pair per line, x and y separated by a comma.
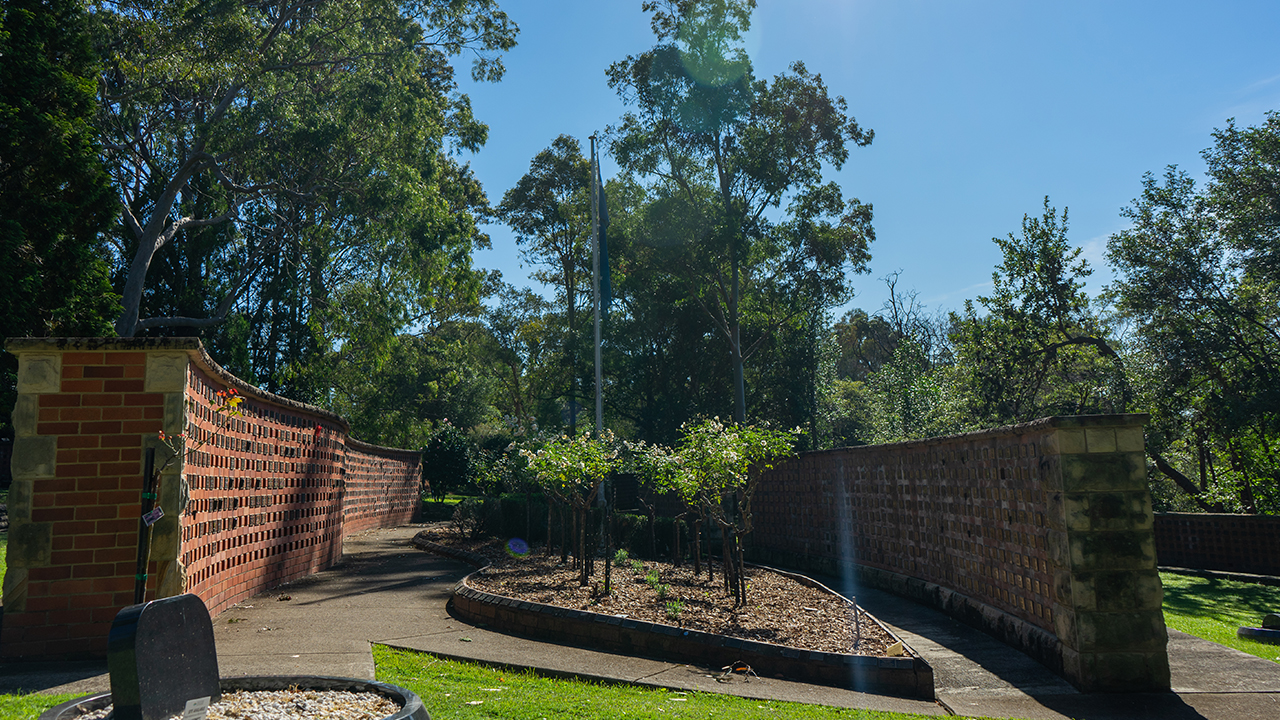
x,y
967,513
91,504
1230,543
382,487
254,501
1040,534
264,494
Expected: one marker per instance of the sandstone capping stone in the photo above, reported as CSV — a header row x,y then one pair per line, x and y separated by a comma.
x,y
166,372
39,373
25,414
1130,439
15,589
30,545
1100,440
1072,442
19,503
1104,472
34,457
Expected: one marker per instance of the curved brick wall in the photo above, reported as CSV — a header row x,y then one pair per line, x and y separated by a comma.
x,y
260,500
1039,533
1215,541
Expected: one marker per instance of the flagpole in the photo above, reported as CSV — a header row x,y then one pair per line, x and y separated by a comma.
x,y
595,277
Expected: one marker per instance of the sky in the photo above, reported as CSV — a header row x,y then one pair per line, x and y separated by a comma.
x,y
980,110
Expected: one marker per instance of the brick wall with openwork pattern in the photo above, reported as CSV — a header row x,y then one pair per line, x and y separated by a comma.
x,y
1041,534
1212,541
968,514
253,500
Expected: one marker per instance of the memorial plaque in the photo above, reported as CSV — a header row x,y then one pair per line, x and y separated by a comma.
x,y
161,656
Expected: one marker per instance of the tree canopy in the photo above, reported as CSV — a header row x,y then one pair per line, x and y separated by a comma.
x,y
720,151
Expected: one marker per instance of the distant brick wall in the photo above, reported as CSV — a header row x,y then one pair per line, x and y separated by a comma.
x,y
1039,533
382,486
1211,541
250,504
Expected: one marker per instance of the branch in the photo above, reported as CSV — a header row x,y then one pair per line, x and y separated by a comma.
x,y
1182,482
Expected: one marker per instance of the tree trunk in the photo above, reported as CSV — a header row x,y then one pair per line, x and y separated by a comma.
x,y
697,547
550,537
675,548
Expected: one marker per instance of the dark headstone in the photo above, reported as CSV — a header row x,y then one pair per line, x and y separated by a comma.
x,y
161,655
1271,621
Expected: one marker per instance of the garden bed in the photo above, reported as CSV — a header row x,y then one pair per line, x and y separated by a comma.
x,y
790,627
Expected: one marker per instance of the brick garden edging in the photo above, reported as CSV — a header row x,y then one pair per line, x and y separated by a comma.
x,y
903,676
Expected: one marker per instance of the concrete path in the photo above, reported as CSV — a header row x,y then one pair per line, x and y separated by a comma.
x,y
387,592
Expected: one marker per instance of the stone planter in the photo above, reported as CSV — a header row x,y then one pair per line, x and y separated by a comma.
x,y
411,707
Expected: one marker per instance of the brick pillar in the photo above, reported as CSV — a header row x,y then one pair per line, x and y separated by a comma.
x,y
87,409
1107,592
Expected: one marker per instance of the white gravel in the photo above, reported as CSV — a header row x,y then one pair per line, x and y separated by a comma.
x,y
290,705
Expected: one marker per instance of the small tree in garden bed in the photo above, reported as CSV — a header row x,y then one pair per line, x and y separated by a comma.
x,y
661,469
571,469
723,462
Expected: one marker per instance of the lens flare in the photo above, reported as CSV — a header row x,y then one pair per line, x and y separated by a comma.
x,y
518,547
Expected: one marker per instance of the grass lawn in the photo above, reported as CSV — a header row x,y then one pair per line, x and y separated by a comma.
x,y
465,691
28,707
1213,609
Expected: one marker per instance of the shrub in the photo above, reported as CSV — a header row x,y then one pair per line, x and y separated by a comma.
x,y
471,516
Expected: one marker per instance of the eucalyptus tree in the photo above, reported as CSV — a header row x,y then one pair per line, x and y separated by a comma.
x,y
519,350
550,211
276,117
1041,348
722,151
1197,275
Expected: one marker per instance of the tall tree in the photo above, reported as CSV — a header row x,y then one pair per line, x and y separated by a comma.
x,y
721,150
550,211
270,115
1040,349
55,196
1197,275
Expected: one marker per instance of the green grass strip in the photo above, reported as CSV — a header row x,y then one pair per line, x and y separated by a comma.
x,y
1214,609
29,706
465,691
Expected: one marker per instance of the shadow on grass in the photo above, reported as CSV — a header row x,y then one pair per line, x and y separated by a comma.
x,y
1226,601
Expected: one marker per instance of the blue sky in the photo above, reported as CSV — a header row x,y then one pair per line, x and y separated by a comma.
x,y
980,110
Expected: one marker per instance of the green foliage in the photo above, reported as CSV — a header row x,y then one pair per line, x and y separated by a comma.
x,y
550,211
448,461
1214,609
1196,275
55,196
449,689
911,398
252,126
473,516
1040,349
25,706
717,467
674,608
720,150
572,468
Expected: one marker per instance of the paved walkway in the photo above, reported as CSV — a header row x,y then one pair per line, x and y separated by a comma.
x,y
390,593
